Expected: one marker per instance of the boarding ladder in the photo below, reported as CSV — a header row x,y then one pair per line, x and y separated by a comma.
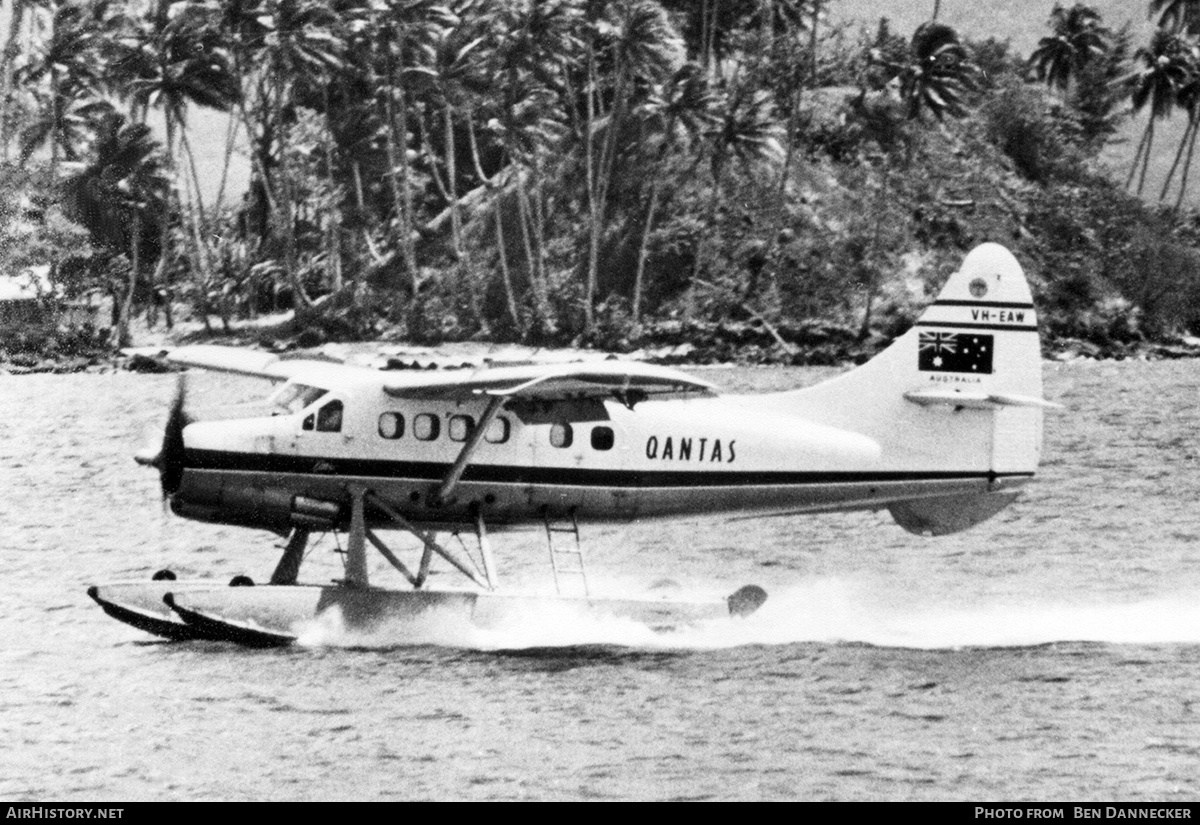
x,y
566,562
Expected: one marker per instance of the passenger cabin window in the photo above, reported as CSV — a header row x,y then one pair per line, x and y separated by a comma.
x,y
498,431
460,427
426,426
602,438
391,425
561,435
329,418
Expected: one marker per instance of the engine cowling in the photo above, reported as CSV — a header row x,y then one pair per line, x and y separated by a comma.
x,y
270,508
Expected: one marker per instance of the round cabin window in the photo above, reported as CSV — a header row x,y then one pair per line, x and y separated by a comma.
x,y
426,426
561,435
498,431
460,427
391,425
602,438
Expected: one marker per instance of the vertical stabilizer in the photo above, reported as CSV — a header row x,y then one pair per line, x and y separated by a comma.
x,y
960,392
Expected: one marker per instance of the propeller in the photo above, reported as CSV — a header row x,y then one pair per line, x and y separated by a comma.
x,y
170,456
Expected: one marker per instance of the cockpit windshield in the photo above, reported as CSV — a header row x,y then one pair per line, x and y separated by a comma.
x,y
295,397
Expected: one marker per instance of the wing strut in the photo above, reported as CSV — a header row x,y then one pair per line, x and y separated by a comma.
x,y
445,493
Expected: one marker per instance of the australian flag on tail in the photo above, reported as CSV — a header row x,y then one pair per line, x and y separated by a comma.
x,y
955,352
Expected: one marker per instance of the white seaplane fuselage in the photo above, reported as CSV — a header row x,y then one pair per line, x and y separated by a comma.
x,y
942,428
596,460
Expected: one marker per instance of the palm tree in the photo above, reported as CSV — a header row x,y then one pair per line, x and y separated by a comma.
x,y
710,28
1164,71
1078,38
535,48
935,76
1187,97
630,48
1100,88
745,129
938,74
454,74
683,110
297,49
402,43
1182,17
174,58
18,15
1177,16
71,63
120,197
66,123
890,126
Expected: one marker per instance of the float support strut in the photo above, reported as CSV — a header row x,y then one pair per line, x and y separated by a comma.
x,y
431,546
356,550
293,553
485,549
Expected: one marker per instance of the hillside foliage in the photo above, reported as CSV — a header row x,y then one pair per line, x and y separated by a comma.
x,y
615,173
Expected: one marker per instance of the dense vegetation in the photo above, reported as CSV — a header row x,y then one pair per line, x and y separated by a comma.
x,y
614,172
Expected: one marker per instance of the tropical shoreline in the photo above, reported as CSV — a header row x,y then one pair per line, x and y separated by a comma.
x,y
677,344
794,186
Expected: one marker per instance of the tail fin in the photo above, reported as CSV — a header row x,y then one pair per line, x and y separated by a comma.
x,y
959,393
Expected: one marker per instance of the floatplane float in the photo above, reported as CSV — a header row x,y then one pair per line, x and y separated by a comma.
x,y
943,428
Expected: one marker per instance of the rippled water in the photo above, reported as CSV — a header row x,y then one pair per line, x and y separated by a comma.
x,y
1053,652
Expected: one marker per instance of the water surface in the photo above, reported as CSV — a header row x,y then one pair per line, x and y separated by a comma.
x,y
1050,653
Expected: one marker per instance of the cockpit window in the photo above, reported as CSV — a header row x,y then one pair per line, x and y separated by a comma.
x,y
329,418
295,397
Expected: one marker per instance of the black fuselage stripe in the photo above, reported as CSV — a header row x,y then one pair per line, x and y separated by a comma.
x,y
717,476
949,325
983,304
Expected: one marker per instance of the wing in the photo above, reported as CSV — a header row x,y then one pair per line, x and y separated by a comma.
x,y
242,361
628,381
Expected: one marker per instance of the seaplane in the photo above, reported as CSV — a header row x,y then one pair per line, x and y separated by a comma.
x,y
943,428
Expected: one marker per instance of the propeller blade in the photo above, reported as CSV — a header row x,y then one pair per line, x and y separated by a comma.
x,y
170,458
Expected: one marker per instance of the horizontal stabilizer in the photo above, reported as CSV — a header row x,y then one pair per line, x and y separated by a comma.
x,y
977,400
